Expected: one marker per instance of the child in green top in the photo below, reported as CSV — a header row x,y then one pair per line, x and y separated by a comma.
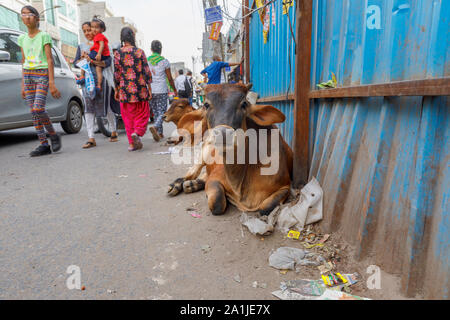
x,y
38,79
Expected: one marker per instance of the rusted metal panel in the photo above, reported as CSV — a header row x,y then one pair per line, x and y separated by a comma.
x,y
383,162
272,65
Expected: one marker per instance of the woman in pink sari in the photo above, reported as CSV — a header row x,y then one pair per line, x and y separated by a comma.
x,y
133,88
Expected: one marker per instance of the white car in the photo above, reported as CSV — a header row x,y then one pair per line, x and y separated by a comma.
x,y
14,112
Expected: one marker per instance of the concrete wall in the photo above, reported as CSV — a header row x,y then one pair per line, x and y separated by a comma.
x,y
113,24
15,5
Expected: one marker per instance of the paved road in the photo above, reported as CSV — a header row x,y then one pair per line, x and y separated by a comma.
x,y
128,238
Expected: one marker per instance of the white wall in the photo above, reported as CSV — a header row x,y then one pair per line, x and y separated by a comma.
x,y
15,5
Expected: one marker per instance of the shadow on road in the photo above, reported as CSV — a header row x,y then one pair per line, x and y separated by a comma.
x,y
12,137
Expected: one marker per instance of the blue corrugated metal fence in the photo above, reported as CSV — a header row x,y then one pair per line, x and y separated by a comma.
x,y
383,162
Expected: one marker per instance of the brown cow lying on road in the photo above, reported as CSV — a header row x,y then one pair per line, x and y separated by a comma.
x,y
177,110
178,113
226,110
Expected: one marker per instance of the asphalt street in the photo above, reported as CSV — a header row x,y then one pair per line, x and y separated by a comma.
x,y
106,211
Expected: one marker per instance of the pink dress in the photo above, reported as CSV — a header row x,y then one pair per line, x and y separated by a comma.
x,y
132,77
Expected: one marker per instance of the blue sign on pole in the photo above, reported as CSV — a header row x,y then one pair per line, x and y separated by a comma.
x,y
213,15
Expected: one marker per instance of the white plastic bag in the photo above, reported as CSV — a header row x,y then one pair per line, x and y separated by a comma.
x,y
89,78
308,210
286,258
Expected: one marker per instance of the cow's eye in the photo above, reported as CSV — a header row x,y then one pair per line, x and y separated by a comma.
x,y
244,104
206,105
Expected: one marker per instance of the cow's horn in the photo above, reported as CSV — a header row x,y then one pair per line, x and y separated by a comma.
x,y
249,86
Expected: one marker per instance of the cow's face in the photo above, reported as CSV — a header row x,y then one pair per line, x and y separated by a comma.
x,y
177,110
227,110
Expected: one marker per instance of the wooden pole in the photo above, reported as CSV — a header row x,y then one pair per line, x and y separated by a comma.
x,y
247,41
302,89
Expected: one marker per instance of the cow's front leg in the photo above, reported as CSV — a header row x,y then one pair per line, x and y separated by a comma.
x,y
273,201
217,200
191,186
178,185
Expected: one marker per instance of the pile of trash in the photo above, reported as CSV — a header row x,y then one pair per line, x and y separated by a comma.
x,y
306,211
332,288
295,220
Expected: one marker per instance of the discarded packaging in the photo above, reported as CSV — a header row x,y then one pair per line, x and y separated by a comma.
x,y
170,151
308,210
286,258
325,268
258,226
312,288
310,246
293,235
325,238
317,290
329,294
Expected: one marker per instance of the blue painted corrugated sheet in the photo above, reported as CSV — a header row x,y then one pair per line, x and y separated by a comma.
x,y
384,162
272,65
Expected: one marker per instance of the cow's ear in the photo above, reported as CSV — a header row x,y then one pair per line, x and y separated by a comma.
x,y
264,115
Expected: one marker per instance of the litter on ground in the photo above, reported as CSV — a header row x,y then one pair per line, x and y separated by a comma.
x,y
317,290
308,210
286,258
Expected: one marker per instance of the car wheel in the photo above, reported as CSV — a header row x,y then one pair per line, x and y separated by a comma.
x,y
74,120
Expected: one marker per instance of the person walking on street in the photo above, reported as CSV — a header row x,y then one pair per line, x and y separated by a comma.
x,y
100,105
212,73
160,69
38,78
133,88
180,84
190,89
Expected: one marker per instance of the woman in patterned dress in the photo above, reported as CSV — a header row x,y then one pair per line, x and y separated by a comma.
x,y
133,88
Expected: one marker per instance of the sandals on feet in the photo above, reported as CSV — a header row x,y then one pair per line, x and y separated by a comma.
x,y
90,144
155,134
114,138
137,141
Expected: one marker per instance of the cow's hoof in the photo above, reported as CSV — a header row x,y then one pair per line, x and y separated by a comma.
x,y
176,187
192,186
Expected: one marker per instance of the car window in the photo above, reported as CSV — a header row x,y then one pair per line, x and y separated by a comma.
x,y
56,60
9,43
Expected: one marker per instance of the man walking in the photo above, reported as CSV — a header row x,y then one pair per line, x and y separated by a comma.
x,y
190,84
212,73
180,85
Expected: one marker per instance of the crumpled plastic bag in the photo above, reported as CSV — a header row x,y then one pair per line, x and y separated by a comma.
x,y
308,210
286,258
260,225
89,78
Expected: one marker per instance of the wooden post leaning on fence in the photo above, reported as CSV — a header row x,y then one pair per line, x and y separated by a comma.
x,y
246,37
302,89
